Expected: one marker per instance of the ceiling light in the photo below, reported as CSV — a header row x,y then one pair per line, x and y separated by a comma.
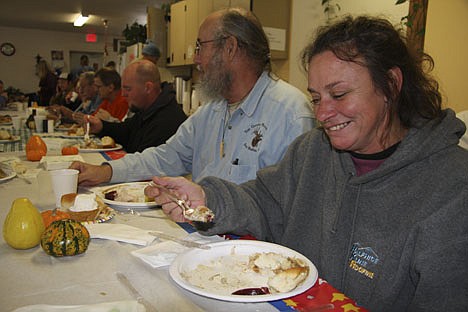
x,y
80,20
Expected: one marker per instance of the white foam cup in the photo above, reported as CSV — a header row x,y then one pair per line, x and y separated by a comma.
x,y
64,181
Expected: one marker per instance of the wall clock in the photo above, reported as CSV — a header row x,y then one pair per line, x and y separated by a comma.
x,y
7,49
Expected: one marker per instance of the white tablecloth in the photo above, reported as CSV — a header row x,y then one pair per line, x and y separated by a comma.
x,y
32,277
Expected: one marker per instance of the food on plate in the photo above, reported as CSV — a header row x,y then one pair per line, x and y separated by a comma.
x,y
23,225
107,142
200,214
65,237
82,207
35,148
103,143
133,193
5,119
65,126
19,167
70,150
2,174
76,130
256,274
5,135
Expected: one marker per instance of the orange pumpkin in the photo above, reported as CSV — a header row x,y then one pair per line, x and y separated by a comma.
x,y
35,148
70,150
49,216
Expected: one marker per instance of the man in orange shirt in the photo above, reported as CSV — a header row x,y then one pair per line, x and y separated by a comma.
x,y
114,106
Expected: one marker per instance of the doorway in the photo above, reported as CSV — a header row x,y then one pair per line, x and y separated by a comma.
x,y
96,59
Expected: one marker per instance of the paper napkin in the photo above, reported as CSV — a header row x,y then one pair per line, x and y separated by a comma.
x,y
120,232
164,253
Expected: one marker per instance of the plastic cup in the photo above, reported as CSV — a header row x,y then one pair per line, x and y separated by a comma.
x,y
39,121
17,122
64,181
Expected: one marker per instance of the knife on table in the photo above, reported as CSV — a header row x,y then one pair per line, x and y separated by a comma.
x,y
179,240
140,299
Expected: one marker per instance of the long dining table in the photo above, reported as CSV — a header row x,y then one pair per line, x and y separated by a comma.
x,y
30,277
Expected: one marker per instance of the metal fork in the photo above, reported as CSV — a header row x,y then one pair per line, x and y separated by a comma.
x,y
186,210
86,136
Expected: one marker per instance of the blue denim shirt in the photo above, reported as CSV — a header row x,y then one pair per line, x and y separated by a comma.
x,y
256,135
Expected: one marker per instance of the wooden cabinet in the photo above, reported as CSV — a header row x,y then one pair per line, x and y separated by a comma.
x,y
186,17
275,21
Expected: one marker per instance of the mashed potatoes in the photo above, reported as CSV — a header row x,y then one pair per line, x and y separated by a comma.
x,y
227,274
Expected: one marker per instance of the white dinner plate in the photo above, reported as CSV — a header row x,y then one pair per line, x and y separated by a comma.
x,y
137,186
10,173
68,136
189,260
95,150
13,140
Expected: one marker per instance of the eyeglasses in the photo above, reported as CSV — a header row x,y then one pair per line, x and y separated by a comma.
x,y
198,44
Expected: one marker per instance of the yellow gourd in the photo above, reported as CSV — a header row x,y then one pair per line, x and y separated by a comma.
x,y
23,225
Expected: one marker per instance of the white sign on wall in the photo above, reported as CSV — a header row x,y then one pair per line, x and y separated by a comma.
x,y
277,38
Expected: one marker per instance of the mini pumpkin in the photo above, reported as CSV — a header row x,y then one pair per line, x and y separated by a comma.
x,y
70,150
65,238
49,216
35,148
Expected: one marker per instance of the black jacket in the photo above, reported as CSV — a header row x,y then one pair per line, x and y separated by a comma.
x,y
151,127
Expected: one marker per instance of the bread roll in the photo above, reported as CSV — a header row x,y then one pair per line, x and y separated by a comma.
x,y
5,135
68,200
107,142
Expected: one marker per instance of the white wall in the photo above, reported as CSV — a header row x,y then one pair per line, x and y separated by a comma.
x,y
307,15
19,70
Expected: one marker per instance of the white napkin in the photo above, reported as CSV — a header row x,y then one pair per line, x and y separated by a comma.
x,y
124,306
120,232
164,253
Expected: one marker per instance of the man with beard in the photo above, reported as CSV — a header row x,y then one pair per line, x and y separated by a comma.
x,y
247,122
157,113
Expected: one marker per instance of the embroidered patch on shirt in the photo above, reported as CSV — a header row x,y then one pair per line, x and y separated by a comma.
x,y
256,133
363,260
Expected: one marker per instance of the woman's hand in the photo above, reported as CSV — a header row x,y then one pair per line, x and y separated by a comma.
x,y
182,188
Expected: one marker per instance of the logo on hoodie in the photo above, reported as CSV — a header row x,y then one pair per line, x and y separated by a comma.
x,y
363,260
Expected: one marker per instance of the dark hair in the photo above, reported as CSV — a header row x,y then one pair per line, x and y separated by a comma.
x,y
109,76
245,27
375,44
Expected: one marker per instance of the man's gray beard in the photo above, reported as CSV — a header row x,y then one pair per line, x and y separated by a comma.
x,y
214,81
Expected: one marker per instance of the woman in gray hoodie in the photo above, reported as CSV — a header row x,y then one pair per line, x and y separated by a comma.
x,y
377,197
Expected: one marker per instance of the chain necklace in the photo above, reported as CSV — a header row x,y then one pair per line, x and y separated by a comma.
x,y
230,108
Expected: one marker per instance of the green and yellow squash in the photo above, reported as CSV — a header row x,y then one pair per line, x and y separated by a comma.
x,y
65,238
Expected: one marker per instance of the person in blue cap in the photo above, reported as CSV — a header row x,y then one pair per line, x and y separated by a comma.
x,y
151,52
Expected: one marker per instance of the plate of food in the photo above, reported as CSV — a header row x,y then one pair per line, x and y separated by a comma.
x,y
86,208
6,173
244,271
6,137
65,127
104,144
5,120
126,195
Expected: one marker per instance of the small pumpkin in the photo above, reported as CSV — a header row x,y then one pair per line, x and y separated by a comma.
x,y
70,150
49,216
35,148
65,237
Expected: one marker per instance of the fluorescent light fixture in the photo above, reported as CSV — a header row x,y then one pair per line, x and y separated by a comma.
x,y
80,21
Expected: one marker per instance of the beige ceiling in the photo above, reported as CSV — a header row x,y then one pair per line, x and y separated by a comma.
x,y
58,15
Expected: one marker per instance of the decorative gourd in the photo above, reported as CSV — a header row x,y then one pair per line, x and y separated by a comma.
x,y
35,148
70,150
49,216
65,238
23,225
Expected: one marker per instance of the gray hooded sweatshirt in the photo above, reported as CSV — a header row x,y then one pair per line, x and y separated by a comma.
x,y
393,239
